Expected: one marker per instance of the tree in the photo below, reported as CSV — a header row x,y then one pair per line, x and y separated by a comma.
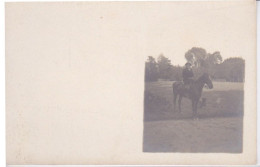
x,y
196,56
214,58
231,69
151,69
176,73
234,69
164,67
200,58
212,61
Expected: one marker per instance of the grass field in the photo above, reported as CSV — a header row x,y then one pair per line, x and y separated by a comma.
x,y
218,129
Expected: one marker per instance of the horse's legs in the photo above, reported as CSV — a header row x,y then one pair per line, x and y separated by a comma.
x,y
194,107
174,101
193,110
180,98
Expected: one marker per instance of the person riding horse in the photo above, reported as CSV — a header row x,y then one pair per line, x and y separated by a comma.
x,y
187,75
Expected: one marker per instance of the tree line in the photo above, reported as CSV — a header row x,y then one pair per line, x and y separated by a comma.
x,y
230,69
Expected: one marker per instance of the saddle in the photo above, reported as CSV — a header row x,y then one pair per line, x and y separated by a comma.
x,y
185,86
187,82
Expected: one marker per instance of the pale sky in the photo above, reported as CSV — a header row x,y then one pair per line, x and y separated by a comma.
x,y
178,28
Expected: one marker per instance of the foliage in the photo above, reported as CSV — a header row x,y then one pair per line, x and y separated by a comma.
x,y
176,73
231,69
196,56
151,69
200,58
164,67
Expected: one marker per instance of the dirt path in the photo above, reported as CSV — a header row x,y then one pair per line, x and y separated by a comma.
x,y
203,135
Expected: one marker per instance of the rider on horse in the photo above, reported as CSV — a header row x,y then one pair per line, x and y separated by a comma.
x,y
187,75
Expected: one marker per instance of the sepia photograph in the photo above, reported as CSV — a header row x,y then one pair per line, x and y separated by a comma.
x,y
195,107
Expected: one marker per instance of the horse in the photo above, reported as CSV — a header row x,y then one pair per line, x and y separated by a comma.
x,y
193,93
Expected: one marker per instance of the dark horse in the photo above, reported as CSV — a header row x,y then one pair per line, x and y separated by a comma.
x,y
194,93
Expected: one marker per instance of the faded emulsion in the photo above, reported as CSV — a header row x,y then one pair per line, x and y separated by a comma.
x,y
204,115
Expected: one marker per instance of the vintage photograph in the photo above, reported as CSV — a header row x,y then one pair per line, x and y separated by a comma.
x,y
196,106
130,83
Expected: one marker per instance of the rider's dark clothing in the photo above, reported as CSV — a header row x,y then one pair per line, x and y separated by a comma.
x,y
187,75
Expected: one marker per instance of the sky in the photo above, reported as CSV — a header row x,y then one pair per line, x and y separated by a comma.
x,y
214,28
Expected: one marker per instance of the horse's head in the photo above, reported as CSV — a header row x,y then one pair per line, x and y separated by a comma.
x,y
207,80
